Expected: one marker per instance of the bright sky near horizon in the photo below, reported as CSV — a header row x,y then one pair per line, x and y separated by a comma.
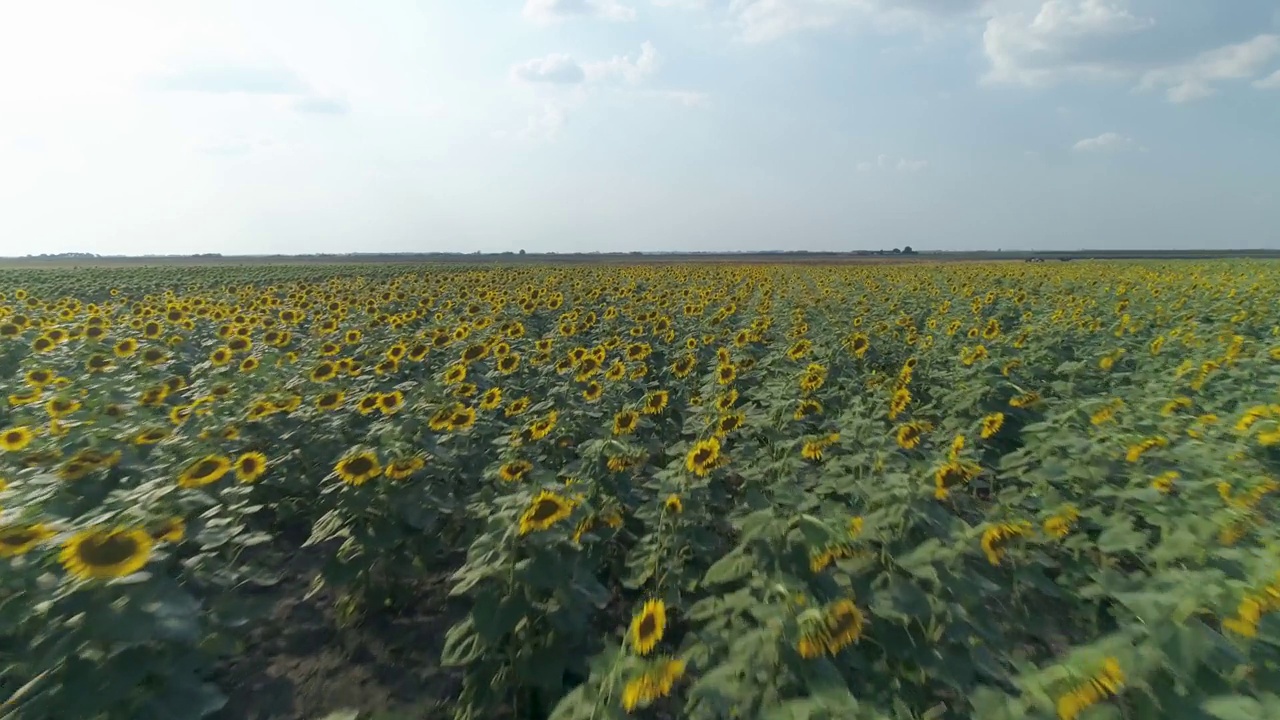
x,y
296,126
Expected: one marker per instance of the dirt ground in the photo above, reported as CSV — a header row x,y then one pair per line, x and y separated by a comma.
x,y
301,663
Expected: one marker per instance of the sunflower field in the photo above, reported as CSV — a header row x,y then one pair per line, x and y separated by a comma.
x,y
701,491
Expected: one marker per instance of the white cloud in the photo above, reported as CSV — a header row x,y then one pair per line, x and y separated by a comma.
x,y
554,68
545,12
760,21
1107,141
1193,80
562,69
1053,43
546,125
623,67
1271,82
905,165
562,84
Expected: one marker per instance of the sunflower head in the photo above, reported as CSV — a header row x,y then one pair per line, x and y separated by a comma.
x,y
103,553
647,627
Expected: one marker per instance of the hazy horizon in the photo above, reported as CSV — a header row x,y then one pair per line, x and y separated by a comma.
x,y
650,125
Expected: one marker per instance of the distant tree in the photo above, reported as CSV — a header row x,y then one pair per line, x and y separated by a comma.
x,y
521,251
896,251
908,251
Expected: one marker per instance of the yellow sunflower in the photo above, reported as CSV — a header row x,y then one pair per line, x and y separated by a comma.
x,y
404,467
648,627
20,539
703,456
205,471
171,530
250,466
515,470
546,509
655,402
357,468
16,438
625,422
390,403
103,553
491,399
991,425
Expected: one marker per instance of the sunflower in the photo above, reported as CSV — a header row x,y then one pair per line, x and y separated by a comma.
x,y
616,371
39,377
507,364
995,537
543,427
725,402
20,539
655,402
98,363
491,399
898,404
249,364
125,347
726,373
171,531
683,366
546,509
673,504
729,422
909,435
220,356
154,356
517,407
102,553
367,404
592,391
515,470
648,627
390,403
358,467
250,466
991,425
807,407
625,422
703,456
844,622
16,438
654,683
323,371
404,467
205,471
799,349
330,400
455,374
462,418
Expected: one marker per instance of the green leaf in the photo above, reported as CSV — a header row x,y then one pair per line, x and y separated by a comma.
x,y
1233,707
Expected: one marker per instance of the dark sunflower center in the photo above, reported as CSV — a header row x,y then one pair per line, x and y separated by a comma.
x,y
13,437
105,549
389,400
702,457
358,465
248,466
648,625
368,403
205,468
545,508
17,538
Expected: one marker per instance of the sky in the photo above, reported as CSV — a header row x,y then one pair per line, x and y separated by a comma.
x,y
314,126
